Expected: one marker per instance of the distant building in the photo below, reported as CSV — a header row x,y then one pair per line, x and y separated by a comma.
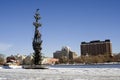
x,y
72,55
20,58
50,61
28,60
65,52
11,60
96,47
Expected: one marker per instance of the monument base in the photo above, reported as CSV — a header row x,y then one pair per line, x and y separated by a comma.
x,y
35,67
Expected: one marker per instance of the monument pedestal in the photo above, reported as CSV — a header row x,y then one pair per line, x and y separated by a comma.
x,y
35,67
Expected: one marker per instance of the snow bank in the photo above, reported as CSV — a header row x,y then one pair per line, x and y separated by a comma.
x,y
11,67
58,73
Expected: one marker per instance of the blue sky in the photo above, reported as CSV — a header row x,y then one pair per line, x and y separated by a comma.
x,y
64,23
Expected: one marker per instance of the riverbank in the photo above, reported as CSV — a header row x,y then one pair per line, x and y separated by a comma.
x,y
62,72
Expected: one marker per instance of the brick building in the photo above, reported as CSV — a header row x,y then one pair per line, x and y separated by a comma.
x,y
96,47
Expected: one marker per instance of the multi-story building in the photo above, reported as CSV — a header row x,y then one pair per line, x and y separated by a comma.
x,y
96,47
65,52
72,55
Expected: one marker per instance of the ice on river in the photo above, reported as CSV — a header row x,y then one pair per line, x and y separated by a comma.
x,y
62,73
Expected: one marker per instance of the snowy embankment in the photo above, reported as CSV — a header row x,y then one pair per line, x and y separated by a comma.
x,y
11,67
62,73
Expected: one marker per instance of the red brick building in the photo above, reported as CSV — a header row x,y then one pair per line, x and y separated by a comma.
x,y
96,47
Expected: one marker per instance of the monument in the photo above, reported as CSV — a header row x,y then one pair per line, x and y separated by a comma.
x,y
37,46
37,42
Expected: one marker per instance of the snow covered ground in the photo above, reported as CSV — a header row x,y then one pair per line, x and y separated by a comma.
x,y
63,72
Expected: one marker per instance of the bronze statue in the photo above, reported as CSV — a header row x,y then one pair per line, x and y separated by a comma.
x,y
37,42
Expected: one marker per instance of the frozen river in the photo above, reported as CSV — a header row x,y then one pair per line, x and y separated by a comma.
x,y
64,72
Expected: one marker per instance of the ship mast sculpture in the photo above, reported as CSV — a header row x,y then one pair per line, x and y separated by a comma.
x,y
37,42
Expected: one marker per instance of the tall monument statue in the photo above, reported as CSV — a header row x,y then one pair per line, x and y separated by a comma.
x,y
37,42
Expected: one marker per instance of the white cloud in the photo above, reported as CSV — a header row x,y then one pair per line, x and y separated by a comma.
x,y
4,46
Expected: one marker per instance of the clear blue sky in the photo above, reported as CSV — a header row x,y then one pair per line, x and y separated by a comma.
x,y
64,23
